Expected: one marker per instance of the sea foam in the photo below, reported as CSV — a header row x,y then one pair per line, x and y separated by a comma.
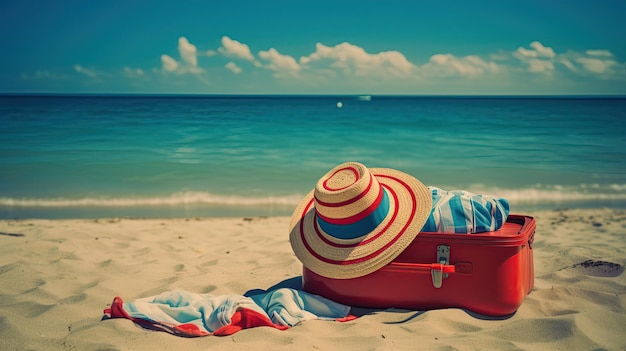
x,y
539,194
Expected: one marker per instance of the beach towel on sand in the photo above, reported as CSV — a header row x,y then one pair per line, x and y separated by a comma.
x,y
189,314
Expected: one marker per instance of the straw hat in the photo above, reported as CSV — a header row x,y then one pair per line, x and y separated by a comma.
x,y
357,220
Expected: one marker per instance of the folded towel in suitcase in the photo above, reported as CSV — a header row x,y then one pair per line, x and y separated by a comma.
x,y
463,212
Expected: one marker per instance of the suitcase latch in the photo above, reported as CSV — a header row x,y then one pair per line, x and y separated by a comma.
x,y
443,258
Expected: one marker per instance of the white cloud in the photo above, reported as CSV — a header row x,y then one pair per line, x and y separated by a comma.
x,y
188,59
168,63
522,53
332,63
278,62
597,65
567,63
82,70
538,59
542,51
133,72
188,52
605,53
542,59
540,66
234,49
538,50
354,60
599,62
450,65
233,67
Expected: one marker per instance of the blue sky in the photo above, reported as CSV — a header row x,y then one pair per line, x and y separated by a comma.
x,y
314,47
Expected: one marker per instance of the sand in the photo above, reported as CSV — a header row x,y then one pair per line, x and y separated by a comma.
x,y
57,276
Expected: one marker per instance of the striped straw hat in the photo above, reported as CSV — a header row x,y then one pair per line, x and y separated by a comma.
x,y
357,220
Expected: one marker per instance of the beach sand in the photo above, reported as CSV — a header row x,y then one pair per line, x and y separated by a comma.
x,y
57,276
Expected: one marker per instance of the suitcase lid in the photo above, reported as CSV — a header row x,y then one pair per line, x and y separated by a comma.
x,y
517,230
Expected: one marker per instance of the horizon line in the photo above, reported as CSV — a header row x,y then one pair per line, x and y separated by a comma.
x,y
282,95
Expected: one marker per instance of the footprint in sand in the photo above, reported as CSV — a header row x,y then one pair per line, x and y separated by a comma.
x,y
599,268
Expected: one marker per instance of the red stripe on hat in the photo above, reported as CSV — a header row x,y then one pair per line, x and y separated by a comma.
x,y
366,241
349,201
375,253
359,216
356,176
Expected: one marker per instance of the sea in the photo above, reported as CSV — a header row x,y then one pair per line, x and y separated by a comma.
x,y
183,156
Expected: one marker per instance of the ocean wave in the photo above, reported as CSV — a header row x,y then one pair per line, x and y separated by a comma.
x,y
558,193
539,194
177,199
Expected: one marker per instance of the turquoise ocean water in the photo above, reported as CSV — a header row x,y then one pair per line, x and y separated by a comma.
x,y
184,156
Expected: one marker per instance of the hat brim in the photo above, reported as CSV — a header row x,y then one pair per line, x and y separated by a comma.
x,y
410,205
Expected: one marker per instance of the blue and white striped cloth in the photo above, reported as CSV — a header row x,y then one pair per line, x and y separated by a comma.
x,y
462,212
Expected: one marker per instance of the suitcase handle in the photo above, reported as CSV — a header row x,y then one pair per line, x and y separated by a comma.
x,y
438,271
427,267
443,268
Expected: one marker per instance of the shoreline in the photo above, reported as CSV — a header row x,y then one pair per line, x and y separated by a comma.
x,y
59,275
8,213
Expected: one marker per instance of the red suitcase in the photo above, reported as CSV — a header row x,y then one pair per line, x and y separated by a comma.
x,y
488,273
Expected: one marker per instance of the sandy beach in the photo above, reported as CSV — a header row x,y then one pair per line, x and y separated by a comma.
x,y
57,276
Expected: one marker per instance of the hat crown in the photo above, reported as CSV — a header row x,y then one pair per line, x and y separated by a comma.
x,y
346,194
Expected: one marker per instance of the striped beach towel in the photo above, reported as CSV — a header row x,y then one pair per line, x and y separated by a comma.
x,y
188,314
462,212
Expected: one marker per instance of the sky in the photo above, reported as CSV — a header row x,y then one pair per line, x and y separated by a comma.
x,y
394,47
